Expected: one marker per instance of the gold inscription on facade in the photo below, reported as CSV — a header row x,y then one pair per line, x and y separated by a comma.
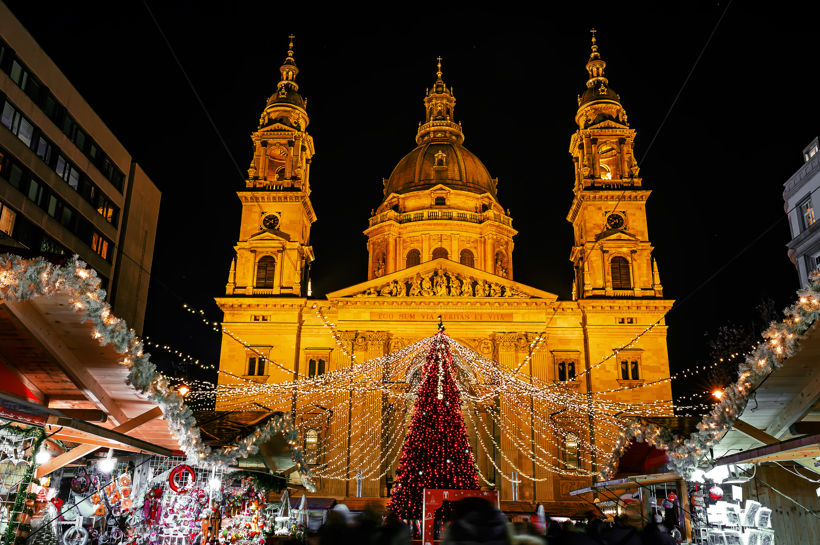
x,y
446,316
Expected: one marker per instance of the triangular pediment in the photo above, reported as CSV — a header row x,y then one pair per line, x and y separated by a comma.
x,y
442,278
267,234
608,124
616,234
278,126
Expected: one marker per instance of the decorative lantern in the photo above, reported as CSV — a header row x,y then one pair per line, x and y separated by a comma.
x,y
716,492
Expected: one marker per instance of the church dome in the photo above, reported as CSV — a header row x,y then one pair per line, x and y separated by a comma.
x,y
440,157
443,162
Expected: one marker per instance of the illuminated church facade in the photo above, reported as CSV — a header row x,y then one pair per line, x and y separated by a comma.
x,y
440,243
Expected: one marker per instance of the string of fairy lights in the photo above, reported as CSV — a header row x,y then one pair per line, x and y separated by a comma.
x,y
491,393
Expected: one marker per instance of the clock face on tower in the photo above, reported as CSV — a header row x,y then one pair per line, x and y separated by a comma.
x,y
271,221
615,221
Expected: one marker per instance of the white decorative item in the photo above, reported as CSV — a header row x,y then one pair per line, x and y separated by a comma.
x,y
732,514
732,537
764,518
750,513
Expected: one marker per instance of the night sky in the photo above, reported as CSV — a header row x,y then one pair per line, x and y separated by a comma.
x,y
716,167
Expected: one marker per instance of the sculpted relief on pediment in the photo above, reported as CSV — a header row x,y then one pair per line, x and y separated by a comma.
x,y
441,283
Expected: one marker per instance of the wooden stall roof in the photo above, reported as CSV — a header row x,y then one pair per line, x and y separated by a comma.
x,y
785,405
792,449
44,342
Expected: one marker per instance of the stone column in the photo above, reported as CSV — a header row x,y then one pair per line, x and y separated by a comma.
x,y
251,271
390,260
489,254
507,358
596,167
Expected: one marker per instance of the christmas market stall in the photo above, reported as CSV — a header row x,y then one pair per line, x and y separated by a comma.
x,y
762,493
97,446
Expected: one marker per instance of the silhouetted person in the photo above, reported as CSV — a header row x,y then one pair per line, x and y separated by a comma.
x,y
393,532
335,530
621,533
657,534
477,521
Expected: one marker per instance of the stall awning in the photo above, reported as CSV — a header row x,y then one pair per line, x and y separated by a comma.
x,y
627,483
791,449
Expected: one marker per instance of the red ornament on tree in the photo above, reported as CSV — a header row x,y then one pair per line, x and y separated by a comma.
x,y
436,453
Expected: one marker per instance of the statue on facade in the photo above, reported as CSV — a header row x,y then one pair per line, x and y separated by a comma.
x,y
466,287
415,286
440,283
481,289
495,290
379,271
500,269
455,285
426,286
386,290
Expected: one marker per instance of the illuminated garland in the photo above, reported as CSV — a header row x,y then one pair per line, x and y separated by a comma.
x,y
24,279
781,342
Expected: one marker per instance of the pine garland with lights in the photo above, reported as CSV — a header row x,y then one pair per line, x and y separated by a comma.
x,y
436,453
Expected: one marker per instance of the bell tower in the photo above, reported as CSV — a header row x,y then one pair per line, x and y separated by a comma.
x,y
273,254
611,254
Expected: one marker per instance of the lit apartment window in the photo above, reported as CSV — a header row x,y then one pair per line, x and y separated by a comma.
x,y
7,217
806,212
809,153
99,245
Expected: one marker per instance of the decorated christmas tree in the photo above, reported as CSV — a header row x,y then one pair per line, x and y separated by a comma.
x,y
437,452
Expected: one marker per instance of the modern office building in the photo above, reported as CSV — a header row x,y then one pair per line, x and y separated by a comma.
x,y
67,185
801,201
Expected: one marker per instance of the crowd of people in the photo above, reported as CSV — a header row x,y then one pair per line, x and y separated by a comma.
x,y
475,521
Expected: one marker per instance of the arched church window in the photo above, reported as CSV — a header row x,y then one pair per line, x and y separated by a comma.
x,y
311,446
441,201
413,258
619,267
572,452
606,173
440,252
467,258
265,268
280,173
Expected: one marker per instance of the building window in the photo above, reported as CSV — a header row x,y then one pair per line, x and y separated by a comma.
x,y
311,446
7,217
810,152
606,173
440,253
619,267
572,451
264,272
256,366
441,201
413,258
630,368
100,245
316,367
565,370
467,258
261,318
806,213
